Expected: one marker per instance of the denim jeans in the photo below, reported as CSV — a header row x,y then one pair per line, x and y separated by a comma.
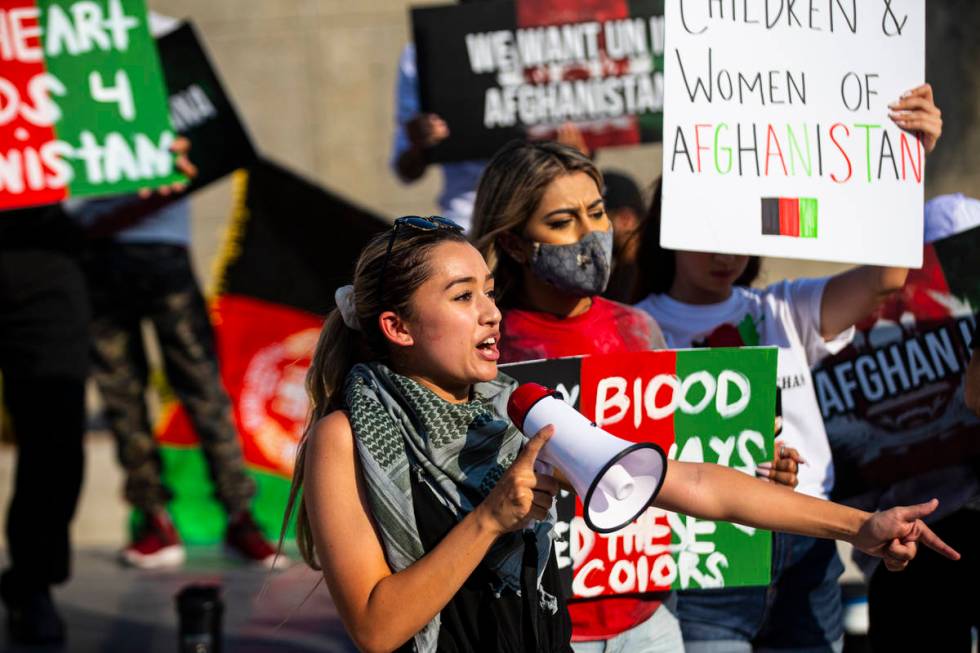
x,y
799,611
661,633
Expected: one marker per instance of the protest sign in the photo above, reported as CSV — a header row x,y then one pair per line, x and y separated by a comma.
x,y
777,139
705,405
83,108
520,68
201,110
892,402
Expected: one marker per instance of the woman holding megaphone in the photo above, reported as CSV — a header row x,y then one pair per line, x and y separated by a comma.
x,y
422,507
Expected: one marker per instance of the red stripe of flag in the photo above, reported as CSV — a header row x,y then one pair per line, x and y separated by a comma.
x,y
789,216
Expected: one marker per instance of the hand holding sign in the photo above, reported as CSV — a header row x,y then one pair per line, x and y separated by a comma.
x,y
783,469
181,146
426,130
917,112
521,495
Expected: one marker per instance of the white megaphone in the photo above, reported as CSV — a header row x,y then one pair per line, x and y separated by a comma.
x,y
616,479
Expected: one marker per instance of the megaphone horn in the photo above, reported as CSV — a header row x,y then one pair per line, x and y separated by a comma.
x,y
616,479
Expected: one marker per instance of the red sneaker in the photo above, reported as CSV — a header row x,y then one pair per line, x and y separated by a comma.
x,y
156,545
245,541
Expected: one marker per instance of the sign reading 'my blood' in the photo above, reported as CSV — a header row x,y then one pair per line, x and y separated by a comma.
x,y
705,405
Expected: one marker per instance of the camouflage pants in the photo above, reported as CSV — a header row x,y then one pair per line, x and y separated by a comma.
x,y
133,282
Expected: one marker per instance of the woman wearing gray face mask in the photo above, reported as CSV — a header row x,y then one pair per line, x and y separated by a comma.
x,y
540,222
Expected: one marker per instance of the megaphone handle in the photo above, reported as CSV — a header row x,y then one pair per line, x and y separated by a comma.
x,y
541,467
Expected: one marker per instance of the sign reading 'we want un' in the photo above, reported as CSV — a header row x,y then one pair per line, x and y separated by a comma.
x,y
777,139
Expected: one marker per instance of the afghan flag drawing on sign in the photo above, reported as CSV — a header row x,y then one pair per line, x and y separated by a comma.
x,y
290,245
83,109
702,405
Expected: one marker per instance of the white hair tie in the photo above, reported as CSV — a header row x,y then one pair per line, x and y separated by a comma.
x,y
344,298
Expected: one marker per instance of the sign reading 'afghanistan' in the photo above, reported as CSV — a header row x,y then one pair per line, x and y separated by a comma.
x,y
777,136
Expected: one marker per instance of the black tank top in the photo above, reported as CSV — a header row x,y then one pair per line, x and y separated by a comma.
x,y
475,619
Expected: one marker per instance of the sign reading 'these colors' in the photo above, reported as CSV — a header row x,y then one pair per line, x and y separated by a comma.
x,y
706,405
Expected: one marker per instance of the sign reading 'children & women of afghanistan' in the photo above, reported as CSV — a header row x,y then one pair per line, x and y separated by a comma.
x,y
83,108
777,139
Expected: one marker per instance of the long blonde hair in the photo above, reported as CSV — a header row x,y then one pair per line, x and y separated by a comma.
x,y
340,347
510,190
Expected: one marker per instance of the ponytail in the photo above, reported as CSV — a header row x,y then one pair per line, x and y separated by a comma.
x,y
339,348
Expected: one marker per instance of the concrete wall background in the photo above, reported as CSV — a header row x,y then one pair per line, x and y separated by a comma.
x,y
314,81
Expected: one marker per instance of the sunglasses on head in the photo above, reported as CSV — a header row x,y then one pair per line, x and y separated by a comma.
x,y
421,223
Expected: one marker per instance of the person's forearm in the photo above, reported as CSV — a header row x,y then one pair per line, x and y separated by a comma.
x,y
411,164
401,604
719,493
887,281
853,295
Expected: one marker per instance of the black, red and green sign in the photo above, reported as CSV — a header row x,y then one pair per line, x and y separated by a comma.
x,y
700,405
83,107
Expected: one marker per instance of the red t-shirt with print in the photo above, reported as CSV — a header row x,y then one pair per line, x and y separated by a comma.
x,y
606,328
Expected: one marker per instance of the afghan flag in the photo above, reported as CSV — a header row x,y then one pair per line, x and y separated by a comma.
x,y
790,216
83,107
699,405
289,245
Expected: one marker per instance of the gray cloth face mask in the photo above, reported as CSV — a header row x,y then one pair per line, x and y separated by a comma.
x,y
581,269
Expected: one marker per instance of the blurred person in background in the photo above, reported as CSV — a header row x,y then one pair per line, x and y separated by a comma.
x,y
415,132
943,622
139,268
44,360
626,208
143,272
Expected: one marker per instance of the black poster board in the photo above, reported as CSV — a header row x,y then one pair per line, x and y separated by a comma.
x,y
520,68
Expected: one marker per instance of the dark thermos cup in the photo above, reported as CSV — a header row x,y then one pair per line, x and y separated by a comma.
x,y
199,608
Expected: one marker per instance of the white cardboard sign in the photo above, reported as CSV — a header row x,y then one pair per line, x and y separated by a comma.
x,y
777,139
